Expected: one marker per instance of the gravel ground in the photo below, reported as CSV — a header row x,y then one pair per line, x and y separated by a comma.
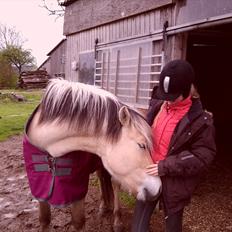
x,y
210,210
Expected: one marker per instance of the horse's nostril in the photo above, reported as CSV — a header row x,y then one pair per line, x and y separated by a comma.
x,y
150,189
149,196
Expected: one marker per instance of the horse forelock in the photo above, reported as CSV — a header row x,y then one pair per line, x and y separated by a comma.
x,y
143,128
83,107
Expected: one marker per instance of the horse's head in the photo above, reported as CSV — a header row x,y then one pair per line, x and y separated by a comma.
x,y
127,158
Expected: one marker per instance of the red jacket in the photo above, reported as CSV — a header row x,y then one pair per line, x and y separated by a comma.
x,y
165,124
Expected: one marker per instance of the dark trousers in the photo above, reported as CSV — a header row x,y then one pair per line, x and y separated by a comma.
x,y
142,215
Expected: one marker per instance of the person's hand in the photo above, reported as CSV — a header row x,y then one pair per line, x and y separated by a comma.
x,y
152,169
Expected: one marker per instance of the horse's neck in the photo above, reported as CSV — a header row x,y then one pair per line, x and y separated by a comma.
x,y
68,144
58,139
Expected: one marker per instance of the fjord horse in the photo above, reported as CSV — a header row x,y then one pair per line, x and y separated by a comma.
x,y
79,117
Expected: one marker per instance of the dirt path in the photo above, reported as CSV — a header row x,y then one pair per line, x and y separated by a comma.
x,y
210,211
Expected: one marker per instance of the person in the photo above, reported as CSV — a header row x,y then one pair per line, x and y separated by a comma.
x,y
184,145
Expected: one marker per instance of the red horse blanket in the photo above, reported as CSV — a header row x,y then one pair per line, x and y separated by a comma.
x,y
59,181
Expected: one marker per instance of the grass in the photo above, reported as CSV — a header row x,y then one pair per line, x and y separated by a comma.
x,y
13,115
127,199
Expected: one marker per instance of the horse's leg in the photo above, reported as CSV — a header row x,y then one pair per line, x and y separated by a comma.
x,y
44,216
78,215
106,191
109,192
118,226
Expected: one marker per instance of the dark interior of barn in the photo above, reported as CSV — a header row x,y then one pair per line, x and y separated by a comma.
x,y
210,52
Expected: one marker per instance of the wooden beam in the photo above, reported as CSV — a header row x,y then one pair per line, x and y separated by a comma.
x,y
138,74
116,72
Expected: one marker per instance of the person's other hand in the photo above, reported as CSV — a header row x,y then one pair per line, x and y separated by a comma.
x,y
152,169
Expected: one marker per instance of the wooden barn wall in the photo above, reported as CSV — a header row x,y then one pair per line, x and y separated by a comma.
x,y
136,26
57,61
176,47
85,14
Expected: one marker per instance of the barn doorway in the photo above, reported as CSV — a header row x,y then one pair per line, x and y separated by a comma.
x,y
210,52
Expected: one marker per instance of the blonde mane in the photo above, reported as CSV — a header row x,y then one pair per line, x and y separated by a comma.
x,y
88,108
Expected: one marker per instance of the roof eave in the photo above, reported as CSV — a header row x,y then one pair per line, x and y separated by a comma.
x,y
67,2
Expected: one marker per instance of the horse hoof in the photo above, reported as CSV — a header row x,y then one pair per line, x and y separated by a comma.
x,y
118,228
44,228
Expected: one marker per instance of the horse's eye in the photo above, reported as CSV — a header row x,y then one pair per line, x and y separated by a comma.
x,y
141,145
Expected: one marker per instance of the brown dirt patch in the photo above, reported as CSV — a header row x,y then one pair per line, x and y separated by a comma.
x,y
210,211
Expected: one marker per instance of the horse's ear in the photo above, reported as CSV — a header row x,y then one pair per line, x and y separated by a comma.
x,y
124,116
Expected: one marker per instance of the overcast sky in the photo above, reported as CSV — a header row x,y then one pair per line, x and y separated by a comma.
x,y
42,31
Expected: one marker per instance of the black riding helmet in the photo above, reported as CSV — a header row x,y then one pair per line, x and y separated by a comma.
x,y
176,79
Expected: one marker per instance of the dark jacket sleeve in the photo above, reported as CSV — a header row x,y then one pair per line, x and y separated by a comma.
x,y
196,158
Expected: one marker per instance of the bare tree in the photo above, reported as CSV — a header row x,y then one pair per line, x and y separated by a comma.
x,y
54,8
10,37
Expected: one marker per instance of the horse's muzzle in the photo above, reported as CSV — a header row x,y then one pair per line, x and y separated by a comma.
x,y
150,189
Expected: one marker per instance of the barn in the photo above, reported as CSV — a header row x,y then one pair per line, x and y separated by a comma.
x,y
55,63
122,45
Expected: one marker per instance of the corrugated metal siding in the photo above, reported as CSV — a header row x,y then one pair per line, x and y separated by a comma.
x,y
202,9
71,55
46,66
57,61
139,25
